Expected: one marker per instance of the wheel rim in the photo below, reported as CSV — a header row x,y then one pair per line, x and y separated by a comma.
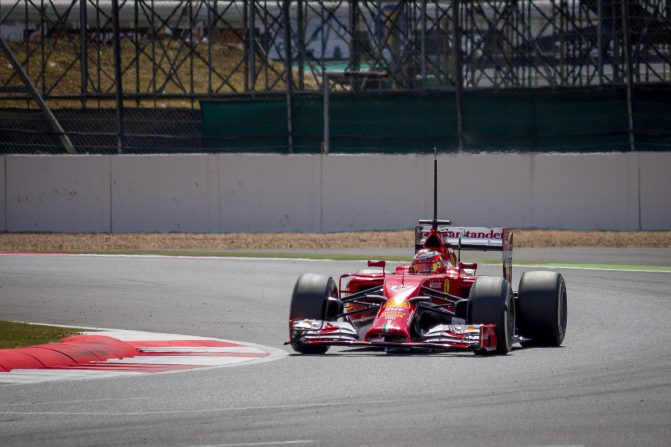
x,y
561,312
331,304
510,315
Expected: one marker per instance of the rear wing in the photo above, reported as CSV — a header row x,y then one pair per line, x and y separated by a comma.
x,y
473,238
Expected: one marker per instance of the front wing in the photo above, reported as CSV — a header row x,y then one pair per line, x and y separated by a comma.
x,y
443,337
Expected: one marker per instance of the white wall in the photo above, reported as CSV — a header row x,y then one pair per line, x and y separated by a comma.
x,y
375,192
486,189
655,191
585,191
270,192
57,193
176,193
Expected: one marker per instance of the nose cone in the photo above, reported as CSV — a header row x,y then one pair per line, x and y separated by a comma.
x,y
393,320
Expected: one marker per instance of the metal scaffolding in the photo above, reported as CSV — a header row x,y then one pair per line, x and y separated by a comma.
x,y
193,49
172,53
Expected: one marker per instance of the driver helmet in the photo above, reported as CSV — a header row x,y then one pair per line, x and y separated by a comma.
x,y
427,261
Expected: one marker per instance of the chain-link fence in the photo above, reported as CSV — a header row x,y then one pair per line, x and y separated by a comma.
x,y
143,76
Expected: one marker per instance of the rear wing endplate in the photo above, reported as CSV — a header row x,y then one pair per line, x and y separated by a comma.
x,y
473,238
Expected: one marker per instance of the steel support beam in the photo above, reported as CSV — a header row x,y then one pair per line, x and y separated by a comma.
x,y
288,69
354,61
84,48
118,74
53,122
326,144
300,25
626,43
458,81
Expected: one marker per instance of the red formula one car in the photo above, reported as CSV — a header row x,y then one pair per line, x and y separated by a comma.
x,y
435,303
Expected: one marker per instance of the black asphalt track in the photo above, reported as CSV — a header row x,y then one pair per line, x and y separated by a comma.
x,y
609,385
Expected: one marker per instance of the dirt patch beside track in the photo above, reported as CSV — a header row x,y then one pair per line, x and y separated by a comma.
x,y
86,242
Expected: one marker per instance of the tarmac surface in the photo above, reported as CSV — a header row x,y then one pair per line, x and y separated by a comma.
x,y
608,385
580,255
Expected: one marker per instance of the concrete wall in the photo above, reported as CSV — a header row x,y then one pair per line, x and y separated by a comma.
x,y
585,191
269,192
375,192
163,193
57,193
487,189
255,192
655,191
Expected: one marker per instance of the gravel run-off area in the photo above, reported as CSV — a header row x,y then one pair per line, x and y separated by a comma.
x,y
222,242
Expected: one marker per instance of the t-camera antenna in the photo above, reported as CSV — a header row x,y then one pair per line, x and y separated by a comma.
x,y
434,224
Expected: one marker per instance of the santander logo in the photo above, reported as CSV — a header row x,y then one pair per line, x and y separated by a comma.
x,y
470,233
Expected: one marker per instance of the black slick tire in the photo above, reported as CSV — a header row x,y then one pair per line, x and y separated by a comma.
x,y
491,302
542,308
310,300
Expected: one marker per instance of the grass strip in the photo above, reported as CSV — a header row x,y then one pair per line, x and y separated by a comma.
x,y
14,335
314,256
241,254
654,268
354,257
357,257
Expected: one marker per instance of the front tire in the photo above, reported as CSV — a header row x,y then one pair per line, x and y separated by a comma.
x,y
542,308
491,302
313,299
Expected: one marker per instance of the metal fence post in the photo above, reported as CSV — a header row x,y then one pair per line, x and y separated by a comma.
x,y
118,74
628,67
326,144
28,83
251,45
136,47
599,40
83,45
354,64
289,72
245,43
423,45
300,25
456,57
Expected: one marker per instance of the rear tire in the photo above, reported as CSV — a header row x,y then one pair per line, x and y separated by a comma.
x,y
491,302
542,310
310,300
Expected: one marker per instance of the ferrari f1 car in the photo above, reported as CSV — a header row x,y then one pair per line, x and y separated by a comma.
x,y
435,303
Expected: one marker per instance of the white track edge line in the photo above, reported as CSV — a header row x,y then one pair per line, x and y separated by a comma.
x,y
253,258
